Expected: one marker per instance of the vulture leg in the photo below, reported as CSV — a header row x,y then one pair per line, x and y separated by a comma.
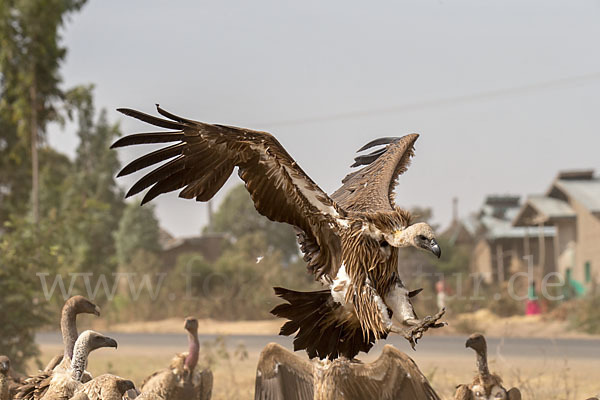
x,y
282,375
398,300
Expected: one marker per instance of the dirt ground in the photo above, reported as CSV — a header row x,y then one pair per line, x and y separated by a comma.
x,y
481,321
538,379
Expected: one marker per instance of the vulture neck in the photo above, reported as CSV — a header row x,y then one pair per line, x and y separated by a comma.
x,y
80,358
68,327
193,351
482,365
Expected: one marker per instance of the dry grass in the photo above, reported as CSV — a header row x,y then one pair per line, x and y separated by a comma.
x,y
548,379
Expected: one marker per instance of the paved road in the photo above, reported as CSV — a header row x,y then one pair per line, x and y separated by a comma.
x,y
430,345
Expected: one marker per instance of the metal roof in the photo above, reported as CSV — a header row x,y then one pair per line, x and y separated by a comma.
x,y
542,209
586,192
503,229
551,207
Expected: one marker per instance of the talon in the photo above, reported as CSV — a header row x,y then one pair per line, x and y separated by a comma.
x,y
418,327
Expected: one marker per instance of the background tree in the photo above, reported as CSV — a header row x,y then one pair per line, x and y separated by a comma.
x,y
15,176
92,203
138,230
23,309
30,58
237,217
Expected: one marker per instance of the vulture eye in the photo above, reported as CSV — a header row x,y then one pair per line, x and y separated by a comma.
x,y
421,237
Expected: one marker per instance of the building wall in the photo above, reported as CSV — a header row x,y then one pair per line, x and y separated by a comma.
x,y
510,252
587,248
481,260
565,243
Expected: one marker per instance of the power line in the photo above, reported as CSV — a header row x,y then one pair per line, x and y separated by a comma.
x,y
517,90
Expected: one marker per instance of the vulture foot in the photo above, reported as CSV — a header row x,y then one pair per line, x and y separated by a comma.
x,y
418,327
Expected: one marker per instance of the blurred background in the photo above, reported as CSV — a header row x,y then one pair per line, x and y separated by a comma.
x,y
504,94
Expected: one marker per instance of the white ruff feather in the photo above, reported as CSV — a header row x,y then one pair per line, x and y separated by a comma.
x,y
383,310
340,285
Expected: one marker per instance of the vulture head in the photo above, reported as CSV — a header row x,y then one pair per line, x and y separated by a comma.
x,y
124,385
81,305
191,325
392,230
4,365
91,340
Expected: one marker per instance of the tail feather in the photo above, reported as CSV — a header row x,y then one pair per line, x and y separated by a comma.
x,y
321,328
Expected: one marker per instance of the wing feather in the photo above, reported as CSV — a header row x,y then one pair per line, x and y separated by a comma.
x,y
282,375
204,158
371,188
393,375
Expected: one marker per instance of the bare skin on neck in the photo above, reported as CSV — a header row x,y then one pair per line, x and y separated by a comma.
x,y
191,326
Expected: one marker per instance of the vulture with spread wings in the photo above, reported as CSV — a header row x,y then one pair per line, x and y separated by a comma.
x,y
281,375
350,240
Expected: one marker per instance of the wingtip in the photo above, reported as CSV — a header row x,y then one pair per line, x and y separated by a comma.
x,y
378,142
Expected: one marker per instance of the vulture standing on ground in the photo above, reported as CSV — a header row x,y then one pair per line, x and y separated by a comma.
x,y
282,375
181,381
350,240
62,384
68,327
485,386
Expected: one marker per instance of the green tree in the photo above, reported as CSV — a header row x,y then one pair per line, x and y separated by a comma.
x,y
23,308
30,57
138,230
15,169
92,204
237,217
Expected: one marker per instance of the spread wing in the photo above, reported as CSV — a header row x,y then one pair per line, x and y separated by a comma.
x,y
282,375
393,375
371,188
203,157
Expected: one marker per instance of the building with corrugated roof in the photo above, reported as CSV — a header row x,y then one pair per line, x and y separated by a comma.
x,y
498,249
572,207
501,249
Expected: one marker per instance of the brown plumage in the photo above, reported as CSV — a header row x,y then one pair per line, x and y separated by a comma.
x,y
485,385
350,240
62,384
68,326
105,387
61,362
283,375
182,380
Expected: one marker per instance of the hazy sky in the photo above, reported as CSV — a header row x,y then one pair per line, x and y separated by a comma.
x,y
342,73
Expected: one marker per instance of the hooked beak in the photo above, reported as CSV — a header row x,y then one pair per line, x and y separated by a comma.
x,y
4,366
110,342
435,248
97,311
